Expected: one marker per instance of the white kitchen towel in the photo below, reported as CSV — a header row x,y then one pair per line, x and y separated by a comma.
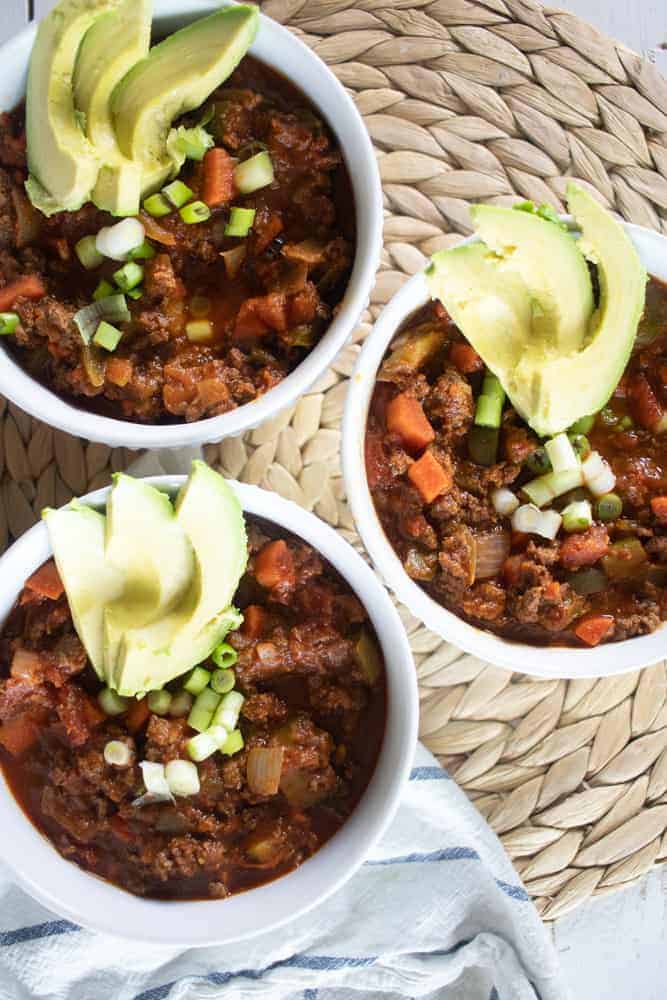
x,y
436,911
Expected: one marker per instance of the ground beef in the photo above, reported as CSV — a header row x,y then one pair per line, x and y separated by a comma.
x,y
450,403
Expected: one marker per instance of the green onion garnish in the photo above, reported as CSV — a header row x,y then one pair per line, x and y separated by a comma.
x,y
8,323
157,206
253,174
201,746
224,656
112,703
196,211
240,222
135,293
129,276
87,252
197,680
205,705
113,309
228,711
233,743
104,290
490,403
159,702
181,705
178,193
143,252
117,753
577,516
199,331
223,681
107,336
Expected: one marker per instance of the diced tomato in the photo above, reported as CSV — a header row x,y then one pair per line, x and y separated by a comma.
x,y
254,617
272,310
644,404
28,287
594,628
218,185
429,477
46,582
465,358
584,549
659,508
274,564
248,323
19,734
406,418
137,715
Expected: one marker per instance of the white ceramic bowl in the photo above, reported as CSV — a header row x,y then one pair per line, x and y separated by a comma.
x,y
87,900
278,48
613,658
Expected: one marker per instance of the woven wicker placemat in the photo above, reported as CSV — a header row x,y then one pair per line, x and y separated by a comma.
x,y
464,100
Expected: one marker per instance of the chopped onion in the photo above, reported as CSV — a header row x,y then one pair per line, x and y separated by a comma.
x,y
504,501
530,520
233,260
182,777
117,754
546,488
561,453
117,241
598,475
113,309
493,549
264,768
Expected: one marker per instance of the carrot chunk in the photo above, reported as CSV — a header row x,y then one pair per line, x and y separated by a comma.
x,y
274,564
406,418
27,287
429,477
137,715
659,508
593,629
465,358
218,185
19,734
253,621
46,582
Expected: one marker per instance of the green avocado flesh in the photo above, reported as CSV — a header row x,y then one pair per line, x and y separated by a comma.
x,y
150,586
526,307
111,47
176,77
63,163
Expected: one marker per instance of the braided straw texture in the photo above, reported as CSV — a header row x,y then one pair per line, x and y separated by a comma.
x,y
492,100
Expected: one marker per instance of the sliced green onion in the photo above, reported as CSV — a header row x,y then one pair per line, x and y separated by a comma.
x,y
253,174
504,501
223,681
8,323
483,445
490,403
561,453
88,254
199,331
104,290
143,252
228,711
201,747
113,309
117,753
117,241
200,306
129,276
157,206
609,507
178,193
190,143
182,777
112,703
107,336
545,489
581,446
224,655
583,425
233,743
577,516
135,293
598,475
155,779
240,221
538,462
181,705
195,212
588,581
205,705
529,520
159,702
197,680
219,734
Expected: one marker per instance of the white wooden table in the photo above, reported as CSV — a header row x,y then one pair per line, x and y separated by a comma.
x,y
614,948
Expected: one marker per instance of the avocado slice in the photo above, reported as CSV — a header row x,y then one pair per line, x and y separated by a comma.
x,y
111,47
146,544
63,164
176,77
211,516
548,260
77,536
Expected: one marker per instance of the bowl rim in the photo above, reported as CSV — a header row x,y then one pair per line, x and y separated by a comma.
x,y
276,46
91,902
538,661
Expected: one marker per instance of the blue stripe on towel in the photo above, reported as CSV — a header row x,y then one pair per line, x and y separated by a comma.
x,y
310,995
36,931
451,854
429,774
494,995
